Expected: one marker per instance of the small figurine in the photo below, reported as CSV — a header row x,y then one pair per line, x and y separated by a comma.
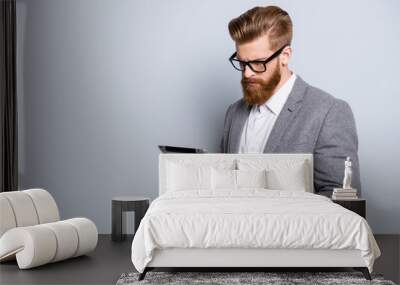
x,y
346,192
347,174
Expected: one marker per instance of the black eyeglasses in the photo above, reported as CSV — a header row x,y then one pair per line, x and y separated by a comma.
x,y
258,66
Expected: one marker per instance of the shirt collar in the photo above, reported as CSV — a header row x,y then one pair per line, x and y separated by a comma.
x,y
278,99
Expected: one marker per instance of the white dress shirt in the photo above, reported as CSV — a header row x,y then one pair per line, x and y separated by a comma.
x,y
262,119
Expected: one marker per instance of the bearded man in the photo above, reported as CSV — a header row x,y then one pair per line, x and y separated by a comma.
x,y
279,111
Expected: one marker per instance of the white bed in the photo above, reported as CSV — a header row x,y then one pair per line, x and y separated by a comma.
x,y
198,224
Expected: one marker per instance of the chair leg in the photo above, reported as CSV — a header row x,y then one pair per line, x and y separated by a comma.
x,y
142,275
364,271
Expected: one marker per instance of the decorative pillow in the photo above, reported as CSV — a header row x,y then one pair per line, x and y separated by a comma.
x,y
236,179
223,179
188,177
251,178
282,174
289,179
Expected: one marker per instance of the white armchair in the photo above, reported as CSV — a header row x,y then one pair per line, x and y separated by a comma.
x,y
32,233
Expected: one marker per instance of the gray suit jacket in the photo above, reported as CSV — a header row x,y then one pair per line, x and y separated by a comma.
x,y
311,121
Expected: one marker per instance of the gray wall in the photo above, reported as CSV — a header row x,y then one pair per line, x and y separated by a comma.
x,y
102,83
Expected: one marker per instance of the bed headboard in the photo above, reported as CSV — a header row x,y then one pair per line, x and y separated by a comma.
x,y
210,158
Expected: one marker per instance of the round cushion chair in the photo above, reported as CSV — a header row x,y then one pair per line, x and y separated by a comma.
x,y
31,231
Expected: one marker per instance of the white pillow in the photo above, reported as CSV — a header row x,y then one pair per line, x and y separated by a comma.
x,y
236,179
288,179
188,177
223,179
251,178
282,174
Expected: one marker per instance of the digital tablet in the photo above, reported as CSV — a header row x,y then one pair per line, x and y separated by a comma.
x,y
180,149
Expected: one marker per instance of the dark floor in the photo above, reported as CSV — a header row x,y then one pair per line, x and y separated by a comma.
x,y
111,259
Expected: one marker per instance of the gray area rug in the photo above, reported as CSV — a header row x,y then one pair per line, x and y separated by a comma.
x,y
230,278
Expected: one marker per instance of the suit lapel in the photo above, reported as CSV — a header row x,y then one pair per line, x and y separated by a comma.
x,y
238,123
287,114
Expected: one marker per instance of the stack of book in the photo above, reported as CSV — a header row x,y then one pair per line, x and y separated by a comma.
x,y
344,194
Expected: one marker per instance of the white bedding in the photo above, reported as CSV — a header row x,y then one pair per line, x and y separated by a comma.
x,y
250,218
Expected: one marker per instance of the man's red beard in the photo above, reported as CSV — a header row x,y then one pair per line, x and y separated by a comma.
x,y
259,93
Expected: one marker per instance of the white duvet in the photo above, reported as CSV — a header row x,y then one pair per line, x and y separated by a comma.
x,y
250,218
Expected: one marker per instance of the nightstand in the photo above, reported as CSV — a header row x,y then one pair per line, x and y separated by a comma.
x,y
358,206
127,203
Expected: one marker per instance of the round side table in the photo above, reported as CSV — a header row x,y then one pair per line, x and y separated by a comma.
x,y
123,204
